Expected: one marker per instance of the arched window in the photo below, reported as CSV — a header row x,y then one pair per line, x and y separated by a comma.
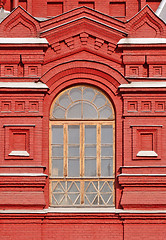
x,y
82,148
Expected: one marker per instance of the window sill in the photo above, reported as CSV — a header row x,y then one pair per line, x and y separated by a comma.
x,y
147,154
19,153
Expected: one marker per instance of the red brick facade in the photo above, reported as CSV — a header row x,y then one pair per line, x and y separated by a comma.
x,y
118,47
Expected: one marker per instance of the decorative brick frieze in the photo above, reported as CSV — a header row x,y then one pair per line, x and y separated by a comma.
x,y
144,107
22,108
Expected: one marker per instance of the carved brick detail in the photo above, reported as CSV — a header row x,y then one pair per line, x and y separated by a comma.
x,y
6,106
9,70
33,106
32,70
157,71
98,43
134,71
160,106
56,47
19,106
146,106
132,106
70,42
84,38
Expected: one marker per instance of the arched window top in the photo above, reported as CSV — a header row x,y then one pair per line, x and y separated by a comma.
x,y
82,102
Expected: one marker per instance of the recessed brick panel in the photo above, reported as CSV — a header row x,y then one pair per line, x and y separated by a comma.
x,y
18,139
160,106
54,8
9,70
132,106
157,71
32,71
6,106
33,106
146,106
146,141
19,106
117,9
146,138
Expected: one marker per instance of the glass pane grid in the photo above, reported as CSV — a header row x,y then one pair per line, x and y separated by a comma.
x,y
82,103
95,193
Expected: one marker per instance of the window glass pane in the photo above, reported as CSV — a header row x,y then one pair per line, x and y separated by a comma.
x,y
106,151
99,100
64,100
106,134
74,151
88,94
90,151
90,167
73,134
106,112
57,168
73,167
76,94
107,167
90,134
58,113
74,112
57,134
57,151
89,111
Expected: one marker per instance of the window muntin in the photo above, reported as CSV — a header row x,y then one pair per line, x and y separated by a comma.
x,y
82,103
82,151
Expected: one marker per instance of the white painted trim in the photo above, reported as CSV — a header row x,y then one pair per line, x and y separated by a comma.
x,y
142,41
154,84
82,18
147,154
38,85
23,175
82,210
160,8
19,153
23,41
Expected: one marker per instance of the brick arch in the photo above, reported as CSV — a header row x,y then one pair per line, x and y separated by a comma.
x,y
92,73
86,68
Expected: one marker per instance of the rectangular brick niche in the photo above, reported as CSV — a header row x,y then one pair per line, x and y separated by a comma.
x,y
54,8
19,142
146,142
117,9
